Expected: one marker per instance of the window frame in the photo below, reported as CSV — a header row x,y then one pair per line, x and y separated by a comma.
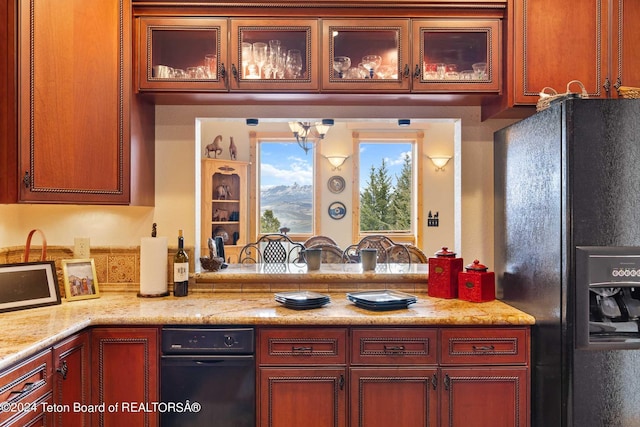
x,y
416,138
254,195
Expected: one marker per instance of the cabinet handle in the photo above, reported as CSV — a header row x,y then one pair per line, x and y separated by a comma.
x,y
223,72
618,84
483,348
606,85
416,72
301,349
407,71
447,381
434,381
26,179
394,348
341,382
63,370
234,71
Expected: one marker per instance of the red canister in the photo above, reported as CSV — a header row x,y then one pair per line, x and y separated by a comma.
x,y
477,284
443,274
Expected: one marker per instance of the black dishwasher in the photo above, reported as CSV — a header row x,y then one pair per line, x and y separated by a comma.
x,y
207,377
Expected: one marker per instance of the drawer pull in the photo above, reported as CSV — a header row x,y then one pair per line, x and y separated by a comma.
x,y
394,348
17,394
301,349
483,348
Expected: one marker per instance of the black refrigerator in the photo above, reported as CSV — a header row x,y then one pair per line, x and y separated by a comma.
x,y
567,251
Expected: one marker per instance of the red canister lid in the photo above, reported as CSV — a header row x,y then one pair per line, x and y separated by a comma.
x,y
476,266
445,253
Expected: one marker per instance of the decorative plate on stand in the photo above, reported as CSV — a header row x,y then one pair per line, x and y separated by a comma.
x,y
337,210
336,184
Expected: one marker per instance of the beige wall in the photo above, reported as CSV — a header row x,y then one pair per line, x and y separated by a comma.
x,y
179,131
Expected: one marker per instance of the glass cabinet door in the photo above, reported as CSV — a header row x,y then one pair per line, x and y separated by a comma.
x,y
182,54
456,56
366,55
275,55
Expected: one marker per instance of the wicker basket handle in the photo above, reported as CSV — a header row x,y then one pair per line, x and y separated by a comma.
x,y
583,92
544,94
27,248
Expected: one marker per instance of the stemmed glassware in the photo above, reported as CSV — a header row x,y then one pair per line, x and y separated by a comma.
x,y
260,56
371,63
294,63
341,64
247,56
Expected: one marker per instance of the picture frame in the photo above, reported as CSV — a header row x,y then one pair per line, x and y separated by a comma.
x,y
80,279
28,285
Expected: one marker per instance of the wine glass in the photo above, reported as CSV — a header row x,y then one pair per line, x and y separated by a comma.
x,y
294,62
371,62
274,52
260,56
341,64
247,56
281,63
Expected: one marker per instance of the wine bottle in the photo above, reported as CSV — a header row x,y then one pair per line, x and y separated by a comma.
x,y
180,269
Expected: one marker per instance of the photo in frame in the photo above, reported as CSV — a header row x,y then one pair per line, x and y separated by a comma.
x,y
80,279
28,285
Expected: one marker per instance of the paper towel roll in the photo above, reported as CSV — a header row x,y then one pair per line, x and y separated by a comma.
x,y
153,267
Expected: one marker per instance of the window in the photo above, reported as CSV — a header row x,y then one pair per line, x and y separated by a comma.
x,y
284,186
387,199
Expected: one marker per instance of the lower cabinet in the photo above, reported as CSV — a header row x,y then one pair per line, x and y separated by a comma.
x,y
25,391
124,376
71,381
409,377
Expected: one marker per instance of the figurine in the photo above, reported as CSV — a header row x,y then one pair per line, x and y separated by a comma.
x,y
214,146
233,150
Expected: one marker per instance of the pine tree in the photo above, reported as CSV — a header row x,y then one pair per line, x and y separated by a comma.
x,y
375,200
269,223
401,200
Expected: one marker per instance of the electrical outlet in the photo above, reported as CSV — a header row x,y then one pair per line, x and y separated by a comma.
x,y
81,249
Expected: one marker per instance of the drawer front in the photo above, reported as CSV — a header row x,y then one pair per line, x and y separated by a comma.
x,y
308,346
394,346
494,346
23,384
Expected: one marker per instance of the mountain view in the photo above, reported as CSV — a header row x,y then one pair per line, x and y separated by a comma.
x,y
291,204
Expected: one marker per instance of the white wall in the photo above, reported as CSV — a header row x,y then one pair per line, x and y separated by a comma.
x,y
177,168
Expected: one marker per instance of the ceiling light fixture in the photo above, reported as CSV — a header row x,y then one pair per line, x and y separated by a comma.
x,y
305,130
440,162
252,122
404,122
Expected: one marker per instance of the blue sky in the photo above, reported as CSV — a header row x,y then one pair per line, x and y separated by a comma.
x,y
286,163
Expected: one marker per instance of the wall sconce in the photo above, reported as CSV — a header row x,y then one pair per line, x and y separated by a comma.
x,y
439,162
336,161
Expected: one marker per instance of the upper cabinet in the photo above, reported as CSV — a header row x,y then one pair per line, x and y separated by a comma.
x,y
365,55
456,55
183,54
626,39
328,55
75,133
274,54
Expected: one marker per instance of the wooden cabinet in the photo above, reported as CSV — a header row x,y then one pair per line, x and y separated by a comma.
x,y
75,134
553,43
274,54
71,380
124,368
365,55
302,377
23,390
397,382
484,377
186,54
457,55
224,205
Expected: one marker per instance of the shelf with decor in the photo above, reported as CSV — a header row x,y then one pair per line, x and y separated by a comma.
x,y
224,205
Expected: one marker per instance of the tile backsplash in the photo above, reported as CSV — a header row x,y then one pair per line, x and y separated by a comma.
x,y
117,268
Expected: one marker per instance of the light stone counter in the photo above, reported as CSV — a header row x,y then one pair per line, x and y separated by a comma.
x,y
25,332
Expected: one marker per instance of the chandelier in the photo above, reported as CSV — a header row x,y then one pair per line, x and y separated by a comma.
x,y
304,131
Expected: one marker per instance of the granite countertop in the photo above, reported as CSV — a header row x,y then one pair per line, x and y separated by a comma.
x,y
26,332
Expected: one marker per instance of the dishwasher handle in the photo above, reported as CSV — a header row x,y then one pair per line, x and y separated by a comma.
x,y
206,360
